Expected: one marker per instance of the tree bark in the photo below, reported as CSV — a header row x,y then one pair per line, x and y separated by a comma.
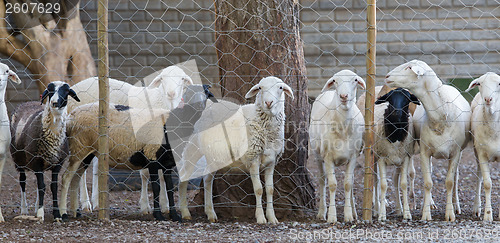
x,y
255,39
52,46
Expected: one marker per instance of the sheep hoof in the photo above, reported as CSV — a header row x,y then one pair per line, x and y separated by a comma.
x,y
488,216
213,220
158,215
174,216
65,217
321,217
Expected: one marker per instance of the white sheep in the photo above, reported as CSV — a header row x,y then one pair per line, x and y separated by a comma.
x,y
5,135
252,141
444,126
335,139
39,142
485,130
165,91
394,145
128,150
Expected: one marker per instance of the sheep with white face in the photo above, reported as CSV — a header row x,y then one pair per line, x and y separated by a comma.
x,y
335,139
256,139
443,126
5,135
485,129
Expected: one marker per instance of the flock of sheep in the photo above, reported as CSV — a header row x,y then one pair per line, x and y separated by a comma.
x,y
419,114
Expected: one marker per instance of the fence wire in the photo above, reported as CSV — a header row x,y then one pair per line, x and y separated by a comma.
x,y
459,40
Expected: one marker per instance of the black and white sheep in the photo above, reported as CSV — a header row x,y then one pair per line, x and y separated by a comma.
x,y
39,142
394,145
5,135
129,149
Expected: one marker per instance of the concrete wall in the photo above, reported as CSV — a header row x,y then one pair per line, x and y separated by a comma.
x,y
458,38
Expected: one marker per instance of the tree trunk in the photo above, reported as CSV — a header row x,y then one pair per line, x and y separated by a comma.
x,y
52,46
256,39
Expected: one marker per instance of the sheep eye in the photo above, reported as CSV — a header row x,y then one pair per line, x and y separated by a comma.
x,y
281,87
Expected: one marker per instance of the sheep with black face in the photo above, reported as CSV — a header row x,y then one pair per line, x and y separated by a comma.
x,y
394,145
39,142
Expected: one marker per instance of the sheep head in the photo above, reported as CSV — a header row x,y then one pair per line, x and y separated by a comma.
x,y
5,74
58,93
397,113
270,94
173,81
411,76
344,82
489,87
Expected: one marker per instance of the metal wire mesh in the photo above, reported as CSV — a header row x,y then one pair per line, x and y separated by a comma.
x,y
458,39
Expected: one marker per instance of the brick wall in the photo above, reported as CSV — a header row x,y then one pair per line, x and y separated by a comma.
x,y
458,38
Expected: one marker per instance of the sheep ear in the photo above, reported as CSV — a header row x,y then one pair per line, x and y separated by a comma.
x,y
44,95
414,99
328,84
72,93
253,91
419,71
187,81
156,82
13,77
383,98
288,91
361,82
473,84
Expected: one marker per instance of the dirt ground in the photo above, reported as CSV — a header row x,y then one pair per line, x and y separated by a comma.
x,y
128,225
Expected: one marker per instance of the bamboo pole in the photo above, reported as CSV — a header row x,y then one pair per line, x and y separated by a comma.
x,y
102,46
369,105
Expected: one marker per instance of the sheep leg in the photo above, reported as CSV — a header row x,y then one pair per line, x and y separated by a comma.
x,y
450,183
485,172
396,178
412,183
353,205
456,200
67,178
376,191
41,194
183,200
84,195
73,192
269,172
476,209
164,198
257,188
53,189
95,183
144,200
22,182
404,187
383,190
209,204
322,192
348,183
167,177
426,173
155,184
332,187
2,163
